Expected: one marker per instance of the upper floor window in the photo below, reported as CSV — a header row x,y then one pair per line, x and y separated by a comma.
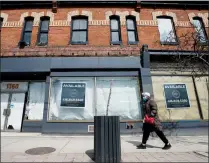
x,y
200,29
1,21
167,30
115,30
131,29
79,30
43,31
27,31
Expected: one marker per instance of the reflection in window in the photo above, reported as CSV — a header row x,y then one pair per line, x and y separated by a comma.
x,y
115,30
43,31
124,98
131,29
200,29
35,101
27,30
166,29
79,30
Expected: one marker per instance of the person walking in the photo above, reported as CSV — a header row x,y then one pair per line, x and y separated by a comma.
x,y
151,122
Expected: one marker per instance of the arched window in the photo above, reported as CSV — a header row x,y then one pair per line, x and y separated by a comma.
x,y
131,29
79,30
200,29
27,31
115,29
167,30
43,31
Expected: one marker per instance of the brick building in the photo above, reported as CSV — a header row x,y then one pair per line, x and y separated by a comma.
x,y
49,49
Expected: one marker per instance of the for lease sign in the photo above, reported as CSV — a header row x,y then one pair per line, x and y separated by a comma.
x,y
176,96
73,94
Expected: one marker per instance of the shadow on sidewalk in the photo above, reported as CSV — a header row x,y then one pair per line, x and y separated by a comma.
x,y
135,143
90,153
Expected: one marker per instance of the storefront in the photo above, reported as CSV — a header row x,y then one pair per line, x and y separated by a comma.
x,y
71,94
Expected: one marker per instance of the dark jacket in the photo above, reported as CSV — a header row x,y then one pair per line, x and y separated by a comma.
x,y
150,108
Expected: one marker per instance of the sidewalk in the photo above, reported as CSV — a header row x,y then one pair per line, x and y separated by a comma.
x,y
14,148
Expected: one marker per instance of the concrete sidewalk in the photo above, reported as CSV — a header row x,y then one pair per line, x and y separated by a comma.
x,y
80,148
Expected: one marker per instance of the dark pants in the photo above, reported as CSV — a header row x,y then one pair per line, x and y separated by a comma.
x,y
150,128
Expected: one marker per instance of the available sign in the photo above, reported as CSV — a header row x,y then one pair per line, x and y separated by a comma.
x,y
176,96
73,95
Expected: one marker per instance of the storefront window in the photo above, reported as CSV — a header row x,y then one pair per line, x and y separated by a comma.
x,y
35,103
69,102
73,98
123,95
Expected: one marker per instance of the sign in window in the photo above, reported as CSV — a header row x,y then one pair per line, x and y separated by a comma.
x,y
176,96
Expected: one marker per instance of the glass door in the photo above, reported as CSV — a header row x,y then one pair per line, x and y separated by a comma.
x,y
17,107
4,105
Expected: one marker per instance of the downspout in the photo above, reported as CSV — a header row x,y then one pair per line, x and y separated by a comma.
x,y
198,100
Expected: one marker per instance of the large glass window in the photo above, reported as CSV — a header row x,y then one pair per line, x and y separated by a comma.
x,y
122,94
166,29
83,97
200,29
79,30
65,96
43,31
35,101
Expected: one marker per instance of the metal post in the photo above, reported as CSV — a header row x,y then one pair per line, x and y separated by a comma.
x,y
8,107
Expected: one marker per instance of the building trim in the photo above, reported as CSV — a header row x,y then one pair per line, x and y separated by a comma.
x,y
44,4
46,64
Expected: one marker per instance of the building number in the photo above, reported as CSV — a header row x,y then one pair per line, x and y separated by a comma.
x,y
12,86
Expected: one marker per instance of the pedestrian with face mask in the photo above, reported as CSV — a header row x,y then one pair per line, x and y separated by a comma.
x,y
151,122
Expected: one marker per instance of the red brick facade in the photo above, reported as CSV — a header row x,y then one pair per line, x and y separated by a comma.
x,y
98,30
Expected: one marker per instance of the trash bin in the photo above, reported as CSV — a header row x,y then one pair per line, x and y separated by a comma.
x,y
107,144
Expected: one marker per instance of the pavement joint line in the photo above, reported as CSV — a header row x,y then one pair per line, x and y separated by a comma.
x,y
197,153
64,145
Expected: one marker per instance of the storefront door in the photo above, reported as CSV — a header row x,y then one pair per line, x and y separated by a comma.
x,y
4,105
14,102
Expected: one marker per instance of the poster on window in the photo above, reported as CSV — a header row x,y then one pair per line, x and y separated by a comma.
x,y
73,95
176,96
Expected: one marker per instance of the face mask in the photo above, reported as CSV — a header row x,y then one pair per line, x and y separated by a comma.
x,y
144,99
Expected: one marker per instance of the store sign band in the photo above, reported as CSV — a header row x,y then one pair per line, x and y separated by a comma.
x,y
176,96
73,95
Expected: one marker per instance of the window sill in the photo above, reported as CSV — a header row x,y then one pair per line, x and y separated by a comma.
x,y
169,43
45,44
203,43
78,43
116,43
23,44
133,43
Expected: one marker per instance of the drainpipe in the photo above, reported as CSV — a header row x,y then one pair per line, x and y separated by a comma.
x,y
198,100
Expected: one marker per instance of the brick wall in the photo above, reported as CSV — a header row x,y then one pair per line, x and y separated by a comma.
x,y
98,31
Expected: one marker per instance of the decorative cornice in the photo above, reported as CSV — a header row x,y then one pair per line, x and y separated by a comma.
x,y
106,22
76,13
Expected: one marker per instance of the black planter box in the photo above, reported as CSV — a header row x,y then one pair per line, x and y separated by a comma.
x,y
107,144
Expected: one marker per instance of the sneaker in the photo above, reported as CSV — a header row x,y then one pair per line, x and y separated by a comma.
x,y
141,146
167,146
